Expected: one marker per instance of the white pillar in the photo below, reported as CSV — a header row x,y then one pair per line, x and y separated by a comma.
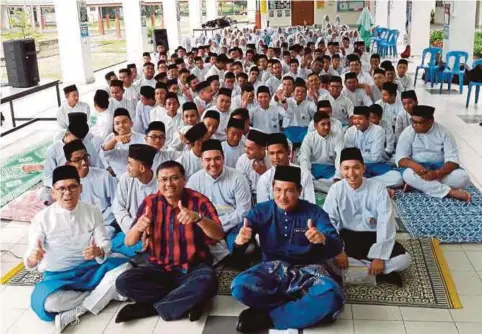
x,y
211,10
381,13
251,10
461,28
39,18
420,26
4,17
398,17
32,17
135,30
195,14
172,24
74,42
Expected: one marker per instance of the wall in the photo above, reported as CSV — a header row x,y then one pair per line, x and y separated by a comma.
x,y
330,9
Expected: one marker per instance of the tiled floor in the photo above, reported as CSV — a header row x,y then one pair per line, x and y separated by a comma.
x,y
465,261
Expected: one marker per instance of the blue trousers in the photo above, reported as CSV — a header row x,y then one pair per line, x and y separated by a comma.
x,y
320,171
376,169
172,293
296,297
118,246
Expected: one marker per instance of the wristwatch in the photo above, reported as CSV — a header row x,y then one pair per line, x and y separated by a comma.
x,y
199,218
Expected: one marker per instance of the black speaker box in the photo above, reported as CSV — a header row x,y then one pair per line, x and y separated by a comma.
x,y
21,63
159,36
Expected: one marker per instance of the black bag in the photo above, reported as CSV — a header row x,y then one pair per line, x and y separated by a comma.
x,y
475,74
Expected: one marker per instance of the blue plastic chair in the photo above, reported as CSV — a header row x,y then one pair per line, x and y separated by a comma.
x,y
383,34
377,31
429,67
477,85
453,60
389,45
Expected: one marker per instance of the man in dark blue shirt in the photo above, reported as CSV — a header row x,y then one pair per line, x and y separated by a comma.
x,y
291,288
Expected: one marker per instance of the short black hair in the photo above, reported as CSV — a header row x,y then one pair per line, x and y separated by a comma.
x,y
171,164
320,115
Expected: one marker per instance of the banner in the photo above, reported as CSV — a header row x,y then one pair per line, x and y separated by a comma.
x,y
320,4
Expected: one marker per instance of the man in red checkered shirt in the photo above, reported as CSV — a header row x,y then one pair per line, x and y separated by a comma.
x,y
178,225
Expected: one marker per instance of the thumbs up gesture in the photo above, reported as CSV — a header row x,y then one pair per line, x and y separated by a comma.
x,y
144,221
37,254
92,251
244,234
313,235
187,216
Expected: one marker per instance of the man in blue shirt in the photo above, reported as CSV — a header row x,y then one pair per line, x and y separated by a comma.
x,y
296,237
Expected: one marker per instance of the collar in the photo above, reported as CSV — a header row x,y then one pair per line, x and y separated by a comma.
x,y
61,210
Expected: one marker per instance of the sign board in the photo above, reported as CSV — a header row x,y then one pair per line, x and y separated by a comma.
x,y
83,18
350,6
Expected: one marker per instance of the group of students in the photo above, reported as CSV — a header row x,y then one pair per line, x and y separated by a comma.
x,y
195,167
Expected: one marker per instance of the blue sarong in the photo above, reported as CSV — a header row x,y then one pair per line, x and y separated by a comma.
x,y
118,246
84,277
295,134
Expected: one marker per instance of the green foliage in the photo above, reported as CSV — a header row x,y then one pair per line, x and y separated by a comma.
x,y
150,31
436,35
21,20
478,43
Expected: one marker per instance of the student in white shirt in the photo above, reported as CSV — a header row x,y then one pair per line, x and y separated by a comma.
x,y
300,110
403,78
376,88
364,78
376,117
245,99
144,107
160,97
404,118
68,242
357,95
210,119
279,154
430,155
227,189
320,151
103,118
191,158
199,70
171,116
131,91
233,146
204,98
118,99
362,212
156,137
391,105
116,145
70,105
137,183
336,127
223,104
370,140
276,79
148,75
374,63
266,117
315,92
219,67
342,106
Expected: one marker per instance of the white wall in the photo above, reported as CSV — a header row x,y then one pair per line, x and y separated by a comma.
x,y
330,9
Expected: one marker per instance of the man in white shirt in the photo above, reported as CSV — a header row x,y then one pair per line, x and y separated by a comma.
x,y
170,116
143,109
131,91
204,98
342,106
279,155
267,117
199,70
219,67
139,182
275,80
227,189
70,105
223,104
362,212
320,151
430,155
357,95
300,110
103,115
148,76
68,242
254,162
376,117
191,158
156,137
403,78
392,106
233,146
118,99
404,118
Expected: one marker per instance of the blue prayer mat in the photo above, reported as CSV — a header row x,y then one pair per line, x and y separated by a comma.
x,y
447,219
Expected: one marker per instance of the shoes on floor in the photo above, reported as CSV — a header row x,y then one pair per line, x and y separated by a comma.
x,y
135,311
71,317
391,278
253,320
196,312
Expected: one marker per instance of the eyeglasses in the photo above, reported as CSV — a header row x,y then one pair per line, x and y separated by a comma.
x,y
63,190
173,179
154,137
79,160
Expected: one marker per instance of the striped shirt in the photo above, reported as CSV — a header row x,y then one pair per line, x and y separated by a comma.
x,y
173,245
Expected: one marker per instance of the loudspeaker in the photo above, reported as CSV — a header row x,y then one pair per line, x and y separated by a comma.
x,y
21,63
159,36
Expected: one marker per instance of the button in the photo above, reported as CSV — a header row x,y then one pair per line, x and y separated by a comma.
x,y
286,235
286,227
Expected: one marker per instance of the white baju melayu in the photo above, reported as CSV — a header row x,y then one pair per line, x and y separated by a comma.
x,y
335,127
202,105
143,117
130,105
104,125
405,83
267,120
435,146
245,166
64,235
129,195
342,109
162,156
147,82
299,114
118,156
132,93
376,93
220,133
65,109
371,143
264,188
200,73
391,111
231,196
213,70
98,189
404,120
273,83
236,103
367,209
190,161
389,139
358,97
232,153
317,149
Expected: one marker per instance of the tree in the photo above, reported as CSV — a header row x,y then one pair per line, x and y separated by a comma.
x,y
21,21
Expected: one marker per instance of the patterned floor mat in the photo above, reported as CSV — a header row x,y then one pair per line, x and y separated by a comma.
x,y
427,283
14,181
448,220
23,208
